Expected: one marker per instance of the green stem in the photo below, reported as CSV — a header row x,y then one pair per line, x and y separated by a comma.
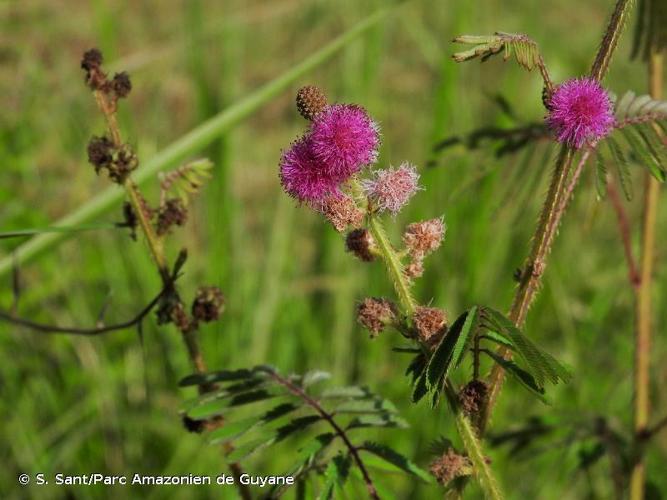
x,y
394,265
482,471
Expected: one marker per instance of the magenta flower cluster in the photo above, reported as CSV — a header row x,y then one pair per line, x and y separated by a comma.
x,y
580,112
341,140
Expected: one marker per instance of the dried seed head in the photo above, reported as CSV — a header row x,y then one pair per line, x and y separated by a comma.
x,y
310,101
341,211
449,466
422,238
392,189
121,84
124,163
209,303
92,59
172,213
472,397
375,314
100,152
431,324
361,244
414,269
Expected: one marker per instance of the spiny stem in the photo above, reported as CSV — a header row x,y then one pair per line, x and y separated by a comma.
x,y
610,39
394,265
554,206
482,471
643,299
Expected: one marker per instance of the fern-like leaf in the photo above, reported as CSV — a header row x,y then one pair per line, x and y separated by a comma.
x,y
525,50
185,181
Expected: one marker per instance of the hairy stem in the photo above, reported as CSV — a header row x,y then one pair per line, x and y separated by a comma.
x,y
643,299
354,451
482,471
610,39
555,204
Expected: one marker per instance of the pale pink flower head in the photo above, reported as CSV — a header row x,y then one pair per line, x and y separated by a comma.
x,y
344,139
303,176
391,189
580,112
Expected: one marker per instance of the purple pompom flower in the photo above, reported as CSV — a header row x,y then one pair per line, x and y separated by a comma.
x,y
303,176
391,189
580,111
344,139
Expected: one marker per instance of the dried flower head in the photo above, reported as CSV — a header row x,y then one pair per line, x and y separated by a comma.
x,y
422,238
303,176
375,313
92,59
449,466
121,84
310,101
344,139
472,397
340,210
361,243
430,323
208,304
100,152
414,269
580,111
172,213
391,189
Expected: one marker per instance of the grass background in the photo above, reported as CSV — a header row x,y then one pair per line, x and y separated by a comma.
x,y
107,404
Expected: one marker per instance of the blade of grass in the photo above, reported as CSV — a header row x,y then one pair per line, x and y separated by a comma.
x,y
188,144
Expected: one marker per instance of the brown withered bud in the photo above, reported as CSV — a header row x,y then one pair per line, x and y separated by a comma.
x,y
179,317
422,238
92,59
341,211
209,303
361,244
193,425
449,466
375,314
431,324
414,269
310,101
473,396
172,213
100,152
121,84
124,163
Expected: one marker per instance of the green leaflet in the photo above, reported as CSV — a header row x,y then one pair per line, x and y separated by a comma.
x,y
396,459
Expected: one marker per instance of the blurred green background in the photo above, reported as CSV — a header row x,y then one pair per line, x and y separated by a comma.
x,y
107,404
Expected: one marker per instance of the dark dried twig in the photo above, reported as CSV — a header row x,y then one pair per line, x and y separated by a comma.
x,y
53,329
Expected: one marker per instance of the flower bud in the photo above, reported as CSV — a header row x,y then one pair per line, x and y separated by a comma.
x,y
310,101
375,314
361,244
430,323
449,466
423,238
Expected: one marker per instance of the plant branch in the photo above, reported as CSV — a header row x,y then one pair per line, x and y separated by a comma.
x,y
45,328
354,451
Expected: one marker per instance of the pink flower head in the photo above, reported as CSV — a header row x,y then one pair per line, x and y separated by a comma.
x,y
302,175
391,189
344,138
580,111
